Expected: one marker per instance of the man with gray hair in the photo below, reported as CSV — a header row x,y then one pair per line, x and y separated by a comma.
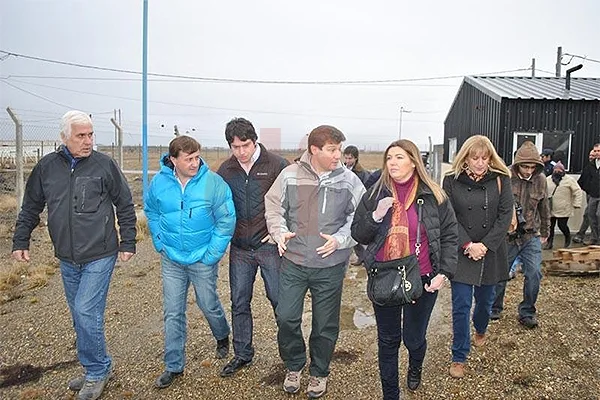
x,y
82,189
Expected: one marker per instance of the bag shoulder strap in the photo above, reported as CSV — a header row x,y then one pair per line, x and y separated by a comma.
x,y
420,216
554,191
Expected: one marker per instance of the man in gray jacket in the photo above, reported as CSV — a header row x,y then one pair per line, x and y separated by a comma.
x,y
309,211
82,189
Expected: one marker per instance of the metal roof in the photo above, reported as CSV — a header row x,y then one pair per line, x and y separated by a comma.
x,y
537,88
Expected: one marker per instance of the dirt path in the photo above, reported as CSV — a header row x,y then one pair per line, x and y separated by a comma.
x,y
557,361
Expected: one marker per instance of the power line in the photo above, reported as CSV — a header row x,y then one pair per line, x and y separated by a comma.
x,y
37,95
207,107
105,79
252,81
585,58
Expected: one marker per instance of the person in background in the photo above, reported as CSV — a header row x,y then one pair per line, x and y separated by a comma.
x,y
532,229
191,217
479,189
249,172
546,157
386,222
351,162
585,223
566,195
309,209
82,189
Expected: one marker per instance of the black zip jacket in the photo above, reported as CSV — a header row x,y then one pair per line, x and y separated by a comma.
x,y
249,195
589,180
439,221
81,217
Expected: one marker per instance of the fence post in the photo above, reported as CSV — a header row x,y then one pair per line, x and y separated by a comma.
x,y
19,187
119,142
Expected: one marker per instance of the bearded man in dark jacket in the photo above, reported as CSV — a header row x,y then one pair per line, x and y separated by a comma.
x,y
533,221
249,172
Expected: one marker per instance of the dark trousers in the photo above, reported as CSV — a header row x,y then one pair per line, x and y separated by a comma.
x,y
530,254
243,265
392,328
585,223
325,285
563,226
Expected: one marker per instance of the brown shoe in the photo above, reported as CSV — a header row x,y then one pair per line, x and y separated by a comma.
x,y
479,339
457,370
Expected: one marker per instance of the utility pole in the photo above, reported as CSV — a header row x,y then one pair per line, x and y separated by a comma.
x,y
402,111
558,61
533,67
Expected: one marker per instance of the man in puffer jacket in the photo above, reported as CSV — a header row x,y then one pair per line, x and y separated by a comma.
x,y
191,218
530,191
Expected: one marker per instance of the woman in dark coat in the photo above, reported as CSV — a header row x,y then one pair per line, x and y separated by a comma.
x,y
480,192
386,221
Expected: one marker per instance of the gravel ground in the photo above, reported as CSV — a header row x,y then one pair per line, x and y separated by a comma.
x,y
559,360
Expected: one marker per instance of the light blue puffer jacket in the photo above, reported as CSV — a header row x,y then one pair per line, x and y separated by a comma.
x,y
192,226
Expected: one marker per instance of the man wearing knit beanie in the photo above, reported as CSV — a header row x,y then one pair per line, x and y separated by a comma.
x,y
531,201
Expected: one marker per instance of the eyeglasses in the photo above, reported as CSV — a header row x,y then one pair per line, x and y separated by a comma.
x,y
523,166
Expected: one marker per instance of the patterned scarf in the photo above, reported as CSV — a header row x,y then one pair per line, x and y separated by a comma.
x,y
397,242
473,175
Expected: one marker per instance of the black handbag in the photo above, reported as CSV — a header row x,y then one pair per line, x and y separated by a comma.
x,y
397,282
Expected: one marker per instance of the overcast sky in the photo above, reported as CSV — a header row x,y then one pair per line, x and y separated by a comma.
x,y
308,41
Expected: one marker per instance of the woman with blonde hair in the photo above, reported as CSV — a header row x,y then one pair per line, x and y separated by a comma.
x,y
405,210
480,191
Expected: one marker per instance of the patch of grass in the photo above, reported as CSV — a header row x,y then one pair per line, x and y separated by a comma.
x,y
8,202
12,276
142,227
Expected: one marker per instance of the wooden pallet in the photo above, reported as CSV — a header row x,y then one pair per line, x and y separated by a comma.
x,y
578,261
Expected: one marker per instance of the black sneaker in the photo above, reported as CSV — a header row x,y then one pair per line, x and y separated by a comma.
x,y
413,377
222,348
166,379
577,239
495,315
234,365
528,322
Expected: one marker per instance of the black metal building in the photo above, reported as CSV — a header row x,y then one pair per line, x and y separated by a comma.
x,y
510,110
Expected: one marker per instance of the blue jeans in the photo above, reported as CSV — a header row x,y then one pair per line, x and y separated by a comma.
x,y
325,286
462,300
176,281
243,265
392,328
530,254
86,288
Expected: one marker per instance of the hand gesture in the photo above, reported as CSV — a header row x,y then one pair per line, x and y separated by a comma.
x,y
329,247
282,243
382,208
476,251
437,283
21,255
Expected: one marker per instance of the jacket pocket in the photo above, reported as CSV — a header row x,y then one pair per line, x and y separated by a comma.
x,y
87,195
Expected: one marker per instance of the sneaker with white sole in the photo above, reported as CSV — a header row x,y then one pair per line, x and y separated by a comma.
x,y
291,384
317,386
91,390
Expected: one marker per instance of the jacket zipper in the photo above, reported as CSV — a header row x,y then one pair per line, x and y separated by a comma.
x,y
324,201
71,212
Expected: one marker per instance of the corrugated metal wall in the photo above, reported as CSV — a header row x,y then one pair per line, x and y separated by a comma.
x,y
580,117
473,112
